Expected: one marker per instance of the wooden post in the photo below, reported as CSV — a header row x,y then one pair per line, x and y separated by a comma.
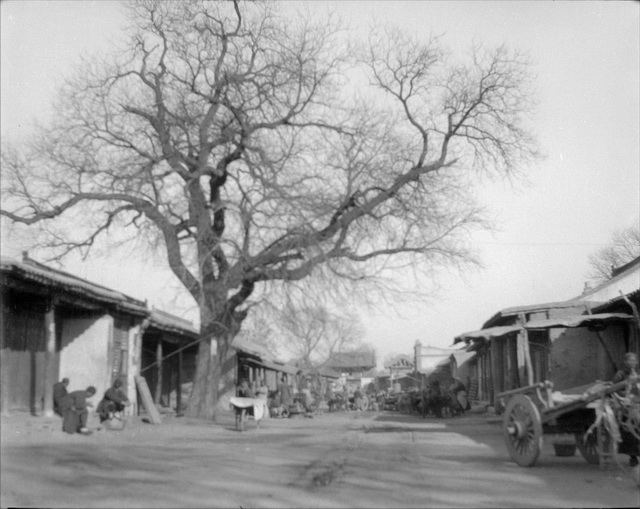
x,y
179,386
158,392
527,356
527,348
49,359
604,344
495,388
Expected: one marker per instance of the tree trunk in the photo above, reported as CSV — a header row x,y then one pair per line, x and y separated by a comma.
x,y
215,365
199,393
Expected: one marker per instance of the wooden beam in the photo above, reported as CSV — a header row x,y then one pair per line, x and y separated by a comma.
x,y
604,344
179,386
49,359
158,391
147,401
527,349
495,388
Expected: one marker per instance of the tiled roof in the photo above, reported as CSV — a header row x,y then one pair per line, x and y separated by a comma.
x,y
626,279
60,281
171,323
30,270
626,267
603,308
399,362
264,356
364,360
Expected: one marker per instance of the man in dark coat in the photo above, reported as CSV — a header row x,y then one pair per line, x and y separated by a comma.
x,y
114,400
74,410
59,392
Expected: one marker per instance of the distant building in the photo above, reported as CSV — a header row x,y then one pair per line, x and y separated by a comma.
x,y
400,370
433,363
353,366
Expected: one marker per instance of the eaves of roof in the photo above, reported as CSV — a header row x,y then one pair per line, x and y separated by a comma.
x,y
603,308
170,323
399,361
30,270
567,321
630,270
626,267
516,310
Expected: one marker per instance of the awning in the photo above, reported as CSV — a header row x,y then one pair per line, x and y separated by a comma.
x,y
486,334
579,321
276,366
567,322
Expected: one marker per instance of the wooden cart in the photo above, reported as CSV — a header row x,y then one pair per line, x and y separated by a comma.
x,y
248,407
535,410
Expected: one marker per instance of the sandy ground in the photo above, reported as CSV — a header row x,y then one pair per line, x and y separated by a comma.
x,y
333,460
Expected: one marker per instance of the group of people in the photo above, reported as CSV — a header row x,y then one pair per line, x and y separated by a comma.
x,y
280,401
74,406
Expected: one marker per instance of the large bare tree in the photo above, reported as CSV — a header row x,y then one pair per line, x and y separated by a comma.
x,y
256,150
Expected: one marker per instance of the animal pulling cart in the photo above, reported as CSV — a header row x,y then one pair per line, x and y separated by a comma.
x,y
535,410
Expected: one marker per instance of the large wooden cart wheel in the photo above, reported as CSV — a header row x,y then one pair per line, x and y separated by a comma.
x,y
522,430
588,446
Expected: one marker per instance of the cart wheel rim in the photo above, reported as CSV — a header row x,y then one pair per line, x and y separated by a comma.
x,y
522,426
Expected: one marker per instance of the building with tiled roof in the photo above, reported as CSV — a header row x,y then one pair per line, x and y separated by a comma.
x,y
56,325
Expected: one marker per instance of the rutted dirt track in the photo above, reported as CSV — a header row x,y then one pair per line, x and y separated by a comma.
x,y
333,460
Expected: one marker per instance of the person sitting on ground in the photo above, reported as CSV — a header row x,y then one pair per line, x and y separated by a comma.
x,y
74,410
630,445
113,401
59,392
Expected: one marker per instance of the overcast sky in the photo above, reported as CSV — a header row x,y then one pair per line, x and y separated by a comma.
x,y
587,56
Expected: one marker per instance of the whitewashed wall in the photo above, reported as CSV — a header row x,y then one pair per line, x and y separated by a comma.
x,y
84,355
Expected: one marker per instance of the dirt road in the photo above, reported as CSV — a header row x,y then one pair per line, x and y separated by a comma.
x,y
333,460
